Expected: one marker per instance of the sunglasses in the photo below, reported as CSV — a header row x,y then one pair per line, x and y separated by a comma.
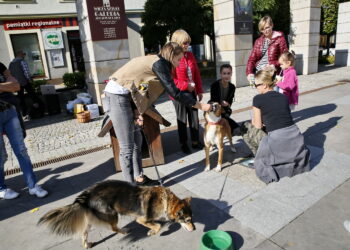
x,y
186,43
257,85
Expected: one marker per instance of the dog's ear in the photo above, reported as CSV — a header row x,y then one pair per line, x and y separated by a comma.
x,y
188,200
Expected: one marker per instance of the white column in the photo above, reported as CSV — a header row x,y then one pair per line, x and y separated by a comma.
x,y
101,58
230,48
342,47
305,34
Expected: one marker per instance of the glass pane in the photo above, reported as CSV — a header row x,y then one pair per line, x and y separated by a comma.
x,y
29,44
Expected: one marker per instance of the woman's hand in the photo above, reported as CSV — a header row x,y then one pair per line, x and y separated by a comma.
x,y
202,106
224,103
200,97
191,86
250,77
139,120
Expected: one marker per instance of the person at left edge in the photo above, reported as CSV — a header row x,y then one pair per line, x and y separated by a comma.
x,y
130,93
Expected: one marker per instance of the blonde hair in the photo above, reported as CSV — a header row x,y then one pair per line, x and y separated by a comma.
x,y
267,76
170,50
180,36
263,21
288,56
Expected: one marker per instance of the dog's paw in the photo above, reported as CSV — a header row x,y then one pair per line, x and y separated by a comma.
x,y
123,232
207,168
151,232
218,168
233,149
87,245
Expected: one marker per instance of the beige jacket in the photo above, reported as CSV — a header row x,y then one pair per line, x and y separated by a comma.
x,y
136,72
139,77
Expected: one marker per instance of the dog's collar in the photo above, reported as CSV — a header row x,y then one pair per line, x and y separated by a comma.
x,y
214,123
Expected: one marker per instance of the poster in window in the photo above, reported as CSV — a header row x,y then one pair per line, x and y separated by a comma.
x,y
57,58
243,17
107,20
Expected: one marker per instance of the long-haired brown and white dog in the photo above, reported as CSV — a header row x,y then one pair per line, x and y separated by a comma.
x,y
215,130
102,203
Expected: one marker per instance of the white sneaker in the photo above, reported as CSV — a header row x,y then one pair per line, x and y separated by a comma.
x,y
8,194
38,191
347,225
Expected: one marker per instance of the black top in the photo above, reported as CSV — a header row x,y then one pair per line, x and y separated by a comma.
x,y
215,94
162,69
275,110
3,105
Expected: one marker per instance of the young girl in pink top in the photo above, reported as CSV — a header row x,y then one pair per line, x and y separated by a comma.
x,y
289,82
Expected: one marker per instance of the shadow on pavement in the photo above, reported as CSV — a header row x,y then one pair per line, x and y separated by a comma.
x,y
313,111
204,212
61,184
316,136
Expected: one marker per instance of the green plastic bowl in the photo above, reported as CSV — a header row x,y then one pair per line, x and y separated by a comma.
x,y
216,239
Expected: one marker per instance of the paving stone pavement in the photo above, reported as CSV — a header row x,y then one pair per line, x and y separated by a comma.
x,y
55,136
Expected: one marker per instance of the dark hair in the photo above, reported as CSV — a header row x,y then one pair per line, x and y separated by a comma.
x,y
225,66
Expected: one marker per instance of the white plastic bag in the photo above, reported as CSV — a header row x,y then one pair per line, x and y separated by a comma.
x,y
85,97
94,112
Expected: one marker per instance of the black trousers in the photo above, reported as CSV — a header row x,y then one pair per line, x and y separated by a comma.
x,y
28,87
183,113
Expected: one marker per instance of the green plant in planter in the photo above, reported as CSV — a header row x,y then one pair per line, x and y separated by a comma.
x,y
37,83
76,79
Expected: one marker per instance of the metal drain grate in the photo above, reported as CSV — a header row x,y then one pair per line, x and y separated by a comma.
x,y
58,159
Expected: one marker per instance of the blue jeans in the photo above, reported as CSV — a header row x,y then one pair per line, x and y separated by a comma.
x,y
9,124
128,134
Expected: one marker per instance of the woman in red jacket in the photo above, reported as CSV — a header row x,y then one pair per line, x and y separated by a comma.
x,y
187,78
267,48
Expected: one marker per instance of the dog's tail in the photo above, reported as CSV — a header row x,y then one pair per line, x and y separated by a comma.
x,y
67,220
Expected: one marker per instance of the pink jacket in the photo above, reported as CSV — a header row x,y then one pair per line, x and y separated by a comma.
x,y
289,84
180,74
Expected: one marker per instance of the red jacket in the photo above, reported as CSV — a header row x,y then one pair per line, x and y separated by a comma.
x,y
180,73
277,46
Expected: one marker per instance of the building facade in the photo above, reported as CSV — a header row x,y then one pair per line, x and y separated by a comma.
x,y
48,32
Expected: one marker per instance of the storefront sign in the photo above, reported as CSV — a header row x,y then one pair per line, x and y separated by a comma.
x,y
32,24
107,20
243,17
52,39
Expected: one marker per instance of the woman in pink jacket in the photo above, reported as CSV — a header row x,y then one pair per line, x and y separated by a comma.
x,y
289,82
187,78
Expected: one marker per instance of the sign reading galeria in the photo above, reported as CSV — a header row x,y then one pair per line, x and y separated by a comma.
x,y
107,19
52,39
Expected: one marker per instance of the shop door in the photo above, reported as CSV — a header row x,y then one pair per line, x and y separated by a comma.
x,y
76,52
29,44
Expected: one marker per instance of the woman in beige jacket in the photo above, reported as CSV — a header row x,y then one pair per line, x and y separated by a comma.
x,y
130,93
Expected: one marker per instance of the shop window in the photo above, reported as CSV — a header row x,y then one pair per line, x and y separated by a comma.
x,y
29,44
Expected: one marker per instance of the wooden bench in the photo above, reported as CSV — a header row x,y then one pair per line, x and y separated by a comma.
x,y
151,130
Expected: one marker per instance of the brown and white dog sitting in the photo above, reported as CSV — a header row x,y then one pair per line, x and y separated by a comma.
x,y
216,129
